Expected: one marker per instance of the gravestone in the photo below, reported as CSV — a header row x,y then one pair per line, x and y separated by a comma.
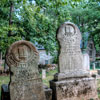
x,y
73,81
86,61
25,82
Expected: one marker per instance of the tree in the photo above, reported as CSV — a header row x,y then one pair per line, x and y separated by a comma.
x,y
87,16
7,27
33,20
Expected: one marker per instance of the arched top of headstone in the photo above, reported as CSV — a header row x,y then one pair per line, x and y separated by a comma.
x,y
68,32
21,52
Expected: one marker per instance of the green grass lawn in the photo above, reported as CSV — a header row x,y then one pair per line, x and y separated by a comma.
x,y
49,76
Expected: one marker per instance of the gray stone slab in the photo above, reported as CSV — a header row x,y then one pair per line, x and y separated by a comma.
x,y
5,94
74,89
71,74
25,84
70,57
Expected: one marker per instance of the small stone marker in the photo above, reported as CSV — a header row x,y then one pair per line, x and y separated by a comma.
x,y
73,81
25,84
94,66
43,73
86,62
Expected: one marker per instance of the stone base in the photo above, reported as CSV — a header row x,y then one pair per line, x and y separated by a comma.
x,y
74,89
5,94
71,74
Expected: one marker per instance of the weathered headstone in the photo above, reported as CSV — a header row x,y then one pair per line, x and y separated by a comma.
x,y
86,62
25,84
73,81
70,58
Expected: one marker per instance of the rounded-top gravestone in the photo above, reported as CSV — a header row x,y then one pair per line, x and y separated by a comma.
x,y
70,57
73,81
25,84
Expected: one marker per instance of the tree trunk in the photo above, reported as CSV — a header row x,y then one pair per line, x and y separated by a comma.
x,y
10,17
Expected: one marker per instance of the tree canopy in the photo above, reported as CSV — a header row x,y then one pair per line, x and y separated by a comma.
x,y
38,20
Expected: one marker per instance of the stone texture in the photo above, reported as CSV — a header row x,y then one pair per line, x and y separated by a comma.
x,y
25,84
70,58
98,71
48,93
5,95
74,89
76,74
73,81
43,73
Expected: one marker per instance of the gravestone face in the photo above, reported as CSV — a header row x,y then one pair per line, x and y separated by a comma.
x,y
70,58
25,84
73,81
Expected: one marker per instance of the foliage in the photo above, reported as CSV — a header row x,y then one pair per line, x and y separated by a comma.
x,y
41,20
24,19
5,41
5,80
87,16
38,20
32,20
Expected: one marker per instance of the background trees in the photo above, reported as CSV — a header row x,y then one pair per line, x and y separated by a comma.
x,y
38,20
87,16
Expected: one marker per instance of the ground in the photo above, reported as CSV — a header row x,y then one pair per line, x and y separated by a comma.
x,y
4,79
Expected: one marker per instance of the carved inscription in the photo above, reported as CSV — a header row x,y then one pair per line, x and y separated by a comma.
x,y
25,84
69,30
70,57
21,52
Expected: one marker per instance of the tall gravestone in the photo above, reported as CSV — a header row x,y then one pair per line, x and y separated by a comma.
x,y
25,84
73,81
